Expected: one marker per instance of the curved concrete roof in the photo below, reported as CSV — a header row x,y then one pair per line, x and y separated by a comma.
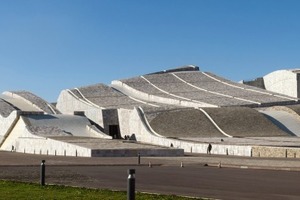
x,y
177,88
192,123
296,70
106,97
182,123
244,122
195,86
27,101
6,108
38,101
284,82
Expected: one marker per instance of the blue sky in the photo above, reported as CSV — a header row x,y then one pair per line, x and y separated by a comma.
x,y
50,45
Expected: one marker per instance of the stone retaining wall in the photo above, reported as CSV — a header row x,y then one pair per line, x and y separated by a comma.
x,y
276,152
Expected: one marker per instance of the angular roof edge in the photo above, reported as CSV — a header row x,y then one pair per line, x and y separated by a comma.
x,y
178,69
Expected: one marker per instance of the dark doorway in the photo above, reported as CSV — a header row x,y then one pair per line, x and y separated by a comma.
x,y
114,131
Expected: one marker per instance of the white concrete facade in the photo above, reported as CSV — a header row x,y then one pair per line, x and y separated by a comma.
x,y
283,82
6,124
21,102
130,121
68,104
21,140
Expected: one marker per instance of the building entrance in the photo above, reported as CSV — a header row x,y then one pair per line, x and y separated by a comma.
x,y
114,131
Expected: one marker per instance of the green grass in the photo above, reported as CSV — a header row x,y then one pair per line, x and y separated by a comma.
x,y
32,191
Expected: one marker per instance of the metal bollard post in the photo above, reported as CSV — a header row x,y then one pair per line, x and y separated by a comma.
x,y
139,158
131,185
43,173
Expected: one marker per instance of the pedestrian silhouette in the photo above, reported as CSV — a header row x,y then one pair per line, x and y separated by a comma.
x,y
209,147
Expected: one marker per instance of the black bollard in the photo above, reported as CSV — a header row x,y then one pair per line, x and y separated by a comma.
x,y
131,185
139,158
43,173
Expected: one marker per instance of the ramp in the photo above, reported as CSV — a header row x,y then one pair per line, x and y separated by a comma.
x,y
284,120
20,104
75,125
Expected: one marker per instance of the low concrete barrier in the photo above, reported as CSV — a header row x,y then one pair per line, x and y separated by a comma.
x,y
275,152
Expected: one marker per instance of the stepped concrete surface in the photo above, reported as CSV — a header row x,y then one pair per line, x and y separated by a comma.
x,y
192,123
202,87
244,122
106,97
182,123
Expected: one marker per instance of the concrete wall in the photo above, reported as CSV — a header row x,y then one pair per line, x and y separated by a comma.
x,y
6,124
24,142
133,122
282,81
68,104
276,152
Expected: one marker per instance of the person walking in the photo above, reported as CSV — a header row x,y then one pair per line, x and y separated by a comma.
x,y
209,147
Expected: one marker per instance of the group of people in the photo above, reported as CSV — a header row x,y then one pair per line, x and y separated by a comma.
x,y
126,137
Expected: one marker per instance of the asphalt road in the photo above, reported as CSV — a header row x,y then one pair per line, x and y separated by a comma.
x,y
194,179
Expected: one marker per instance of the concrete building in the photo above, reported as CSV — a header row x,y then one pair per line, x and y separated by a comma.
x,y
163,113
284,82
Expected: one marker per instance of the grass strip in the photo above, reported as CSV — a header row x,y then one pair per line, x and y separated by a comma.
x,y
33,191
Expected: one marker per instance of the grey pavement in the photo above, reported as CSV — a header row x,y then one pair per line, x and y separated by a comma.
x,y
238,177
20,159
